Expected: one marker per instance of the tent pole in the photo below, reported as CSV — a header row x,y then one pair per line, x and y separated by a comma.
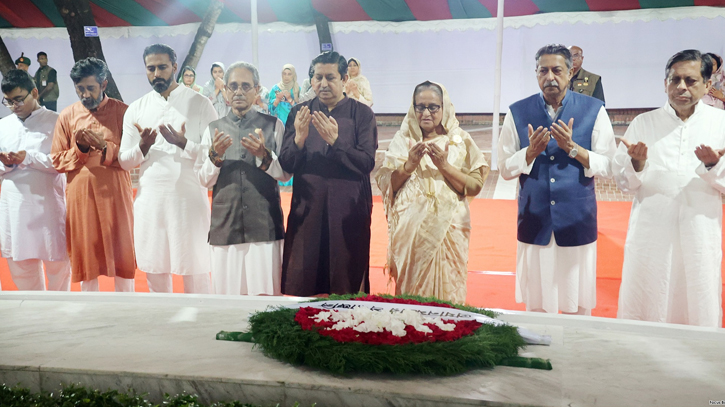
x,y
255,35
497,86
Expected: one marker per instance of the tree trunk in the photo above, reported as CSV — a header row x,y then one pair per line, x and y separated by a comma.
x,y
6,61
202,35
77,14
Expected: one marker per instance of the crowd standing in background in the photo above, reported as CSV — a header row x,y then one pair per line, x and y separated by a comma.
x,y
240,140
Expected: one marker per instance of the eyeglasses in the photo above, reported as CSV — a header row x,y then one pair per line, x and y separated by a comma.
x,y
189,75
233,87
15,102
422,108
576,56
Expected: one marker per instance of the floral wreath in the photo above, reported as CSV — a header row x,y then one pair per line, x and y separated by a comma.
x,y
361,340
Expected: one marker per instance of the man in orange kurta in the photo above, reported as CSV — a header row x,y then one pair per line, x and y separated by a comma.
x,y
99,196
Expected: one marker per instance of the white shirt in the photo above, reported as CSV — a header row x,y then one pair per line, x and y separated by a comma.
x,y
673,250
32,196
171,209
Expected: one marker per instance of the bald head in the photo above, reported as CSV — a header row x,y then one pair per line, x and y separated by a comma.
x,y
577,57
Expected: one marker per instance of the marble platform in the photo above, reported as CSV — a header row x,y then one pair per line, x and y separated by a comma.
x,y
166,344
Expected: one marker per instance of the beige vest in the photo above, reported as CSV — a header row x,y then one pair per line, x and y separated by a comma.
x,y
584,82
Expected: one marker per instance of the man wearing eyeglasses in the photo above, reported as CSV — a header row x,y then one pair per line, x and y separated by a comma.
x,y
583,81
555,142
32,196
171,209
241,165
671,160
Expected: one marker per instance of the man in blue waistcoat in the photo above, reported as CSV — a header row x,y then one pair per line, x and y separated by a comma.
x,y
555,142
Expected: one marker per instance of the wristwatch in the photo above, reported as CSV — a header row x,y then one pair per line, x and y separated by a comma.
x,y
215,158
574,151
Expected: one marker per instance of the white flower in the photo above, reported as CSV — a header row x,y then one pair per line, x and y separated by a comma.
x,y
456,139
322,316
366,320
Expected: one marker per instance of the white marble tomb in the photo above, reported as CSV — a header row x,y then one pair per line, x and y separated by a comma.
x,y
165,343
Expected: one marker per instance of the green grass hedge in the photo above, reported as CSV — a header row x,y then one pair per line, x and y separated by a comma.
x,y
78,396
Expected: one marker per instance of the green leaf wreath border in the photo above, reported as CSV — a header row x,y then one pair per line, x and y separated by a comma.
x,y
279,336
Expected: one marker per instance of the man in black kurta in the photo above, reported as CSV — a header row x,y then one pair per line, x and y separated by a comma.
x,y
329,145
247,225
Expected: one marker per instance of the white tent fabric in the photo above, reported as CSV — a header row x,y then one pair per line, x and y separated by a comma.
x,y
627,48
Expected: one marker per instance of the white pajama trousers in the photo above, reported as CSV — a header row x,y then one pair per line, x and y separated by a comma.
x,y
193,283
28,274
555,278
247,268
122,285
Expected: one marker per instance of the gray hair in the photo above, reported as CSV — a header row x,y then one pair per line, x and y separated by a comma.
x,y
428,85
244,65
554,49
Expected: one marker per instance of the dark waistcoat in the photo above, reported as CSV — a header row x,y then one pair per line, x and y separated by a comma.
x,y
556,196
245,205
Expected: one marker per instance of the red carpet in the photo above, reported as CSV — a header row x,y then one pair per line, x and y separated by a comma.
x,y
492,249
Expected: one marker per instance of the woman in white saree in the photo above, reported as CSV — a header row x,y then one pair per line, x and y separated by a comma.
x,y
430,169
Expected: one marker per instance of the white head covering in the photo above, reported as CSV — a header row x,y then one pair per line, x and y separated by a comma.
x,y
293,87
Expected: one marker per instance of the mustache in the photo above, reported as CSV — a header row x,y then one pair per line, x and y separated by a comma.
x,y
551,84
239,97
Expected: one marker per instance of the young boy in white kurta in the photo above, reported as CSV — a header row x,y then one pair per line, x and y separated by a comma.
x,y
32,196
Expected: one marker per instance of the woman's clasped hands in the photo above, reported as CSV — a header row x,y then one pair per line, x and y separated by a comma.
x,y
438,155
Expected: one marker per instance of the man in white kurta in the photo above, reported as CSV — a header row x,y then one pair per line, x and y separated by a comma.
x,y
32,196
554,272
247,225
670,159
171,209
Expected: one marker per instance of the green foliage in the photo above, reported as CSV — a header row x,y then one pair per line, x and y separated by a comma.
x,y
78,396
280,337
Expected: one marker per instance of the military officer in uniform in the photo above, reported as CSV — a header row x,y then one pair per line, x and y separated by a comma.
x,y
584,82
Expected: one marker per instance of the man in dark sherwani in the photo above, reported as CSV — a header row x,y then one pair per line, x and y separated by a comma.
x,y
329,145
